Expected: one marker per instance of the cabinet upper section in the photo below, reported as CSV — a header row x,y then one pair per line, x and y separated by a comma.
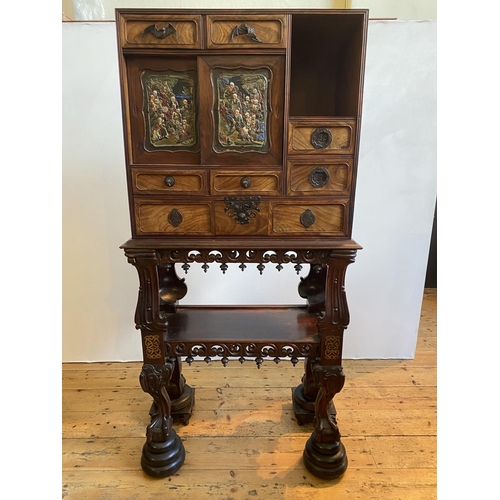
x,y
241,103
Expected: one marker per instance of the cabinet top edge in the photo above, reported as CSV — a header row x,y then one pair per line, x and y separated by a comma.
x,y
126,11
237,244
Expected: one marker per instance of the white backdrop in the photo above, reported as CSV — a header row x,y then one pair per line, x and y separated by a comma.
x,y
393,216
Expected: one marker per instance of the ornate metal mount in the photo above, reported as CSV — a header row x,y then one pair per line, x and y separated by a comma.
x,y
160,33
243,29
319,177
242,209
321,138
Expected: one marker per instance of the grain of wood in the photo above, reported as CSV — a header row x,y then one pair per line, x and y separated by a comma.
x,y
243,441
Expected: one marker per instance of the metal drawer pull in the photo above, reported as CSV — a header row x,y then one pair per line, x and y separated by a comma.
x,y
160,33
245,182
307,219
243,29
169,181
175,217
319,177
321,138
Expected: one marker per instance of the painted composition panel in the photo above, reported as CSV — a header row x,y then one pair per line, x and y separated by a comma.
x,y
241,110
169,109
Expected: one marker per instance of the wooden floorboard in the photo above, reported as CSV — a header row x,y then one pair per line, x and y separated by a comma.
x,y
243,441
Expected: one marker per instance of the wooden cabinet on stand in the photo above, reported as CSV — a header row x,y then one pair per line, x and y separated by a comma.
x,y
241,142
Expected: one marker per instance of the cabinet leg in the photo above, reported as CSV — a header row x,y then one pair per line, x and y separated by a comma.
x,y
163,453
312,288
304,395
181,396
324,454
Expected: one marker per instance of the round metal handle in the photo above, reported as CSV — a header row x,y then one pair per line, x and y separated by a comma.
x,y
319,177
321,138
169,181
245,182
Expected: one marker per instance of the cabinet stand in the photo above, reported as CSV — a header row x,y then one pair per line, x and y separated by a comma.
x,y
170,332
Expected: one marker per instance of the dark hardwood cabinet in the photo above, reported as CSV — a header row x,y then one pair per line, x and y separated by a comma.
x,y
242,133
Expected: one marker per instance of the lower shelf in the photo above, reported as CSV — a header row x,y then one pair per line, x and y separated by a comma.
x,y
242,332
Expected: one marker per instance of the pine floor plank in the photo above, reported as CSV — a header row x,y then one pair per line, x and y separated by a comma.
x,y
243,441
291,484
215,398
249,377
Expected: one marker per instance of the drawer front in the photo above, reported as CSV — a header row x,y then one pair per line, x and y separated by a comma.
x,y
329,177
230,220
321,137
245,182
241,32
154,217
172,32
168,182
303,218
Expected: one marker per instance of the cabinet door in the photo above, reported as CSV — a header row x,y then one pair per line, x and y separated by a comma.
x,y
241,104
163,110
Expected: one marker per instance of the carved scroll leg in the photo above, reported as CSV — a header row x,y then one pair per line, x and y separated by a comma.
x,y
324,454
304,395
163,453
181,396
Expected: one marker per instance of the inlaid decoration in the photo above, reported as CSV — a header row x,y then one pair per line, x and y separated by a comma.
x,y
169,110
332,347
241,110
152,347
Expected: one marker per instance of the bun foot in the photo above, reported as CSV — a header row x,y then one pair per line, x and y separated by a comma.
x,y
325,460
165,458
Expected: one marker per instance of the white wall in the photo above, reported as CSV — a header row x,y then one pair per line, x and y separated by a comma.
x,y
393,216
400,9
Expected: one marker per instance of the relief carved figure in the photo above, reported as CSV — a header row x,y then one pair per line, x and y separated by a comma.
x,y
169,107
242,111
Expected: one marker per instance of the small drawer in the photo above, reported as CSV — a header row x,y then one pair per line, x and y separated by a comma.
x,y
320,176
323,218
238,219
321,137
245,182
162,31
246,31
155,217
149,181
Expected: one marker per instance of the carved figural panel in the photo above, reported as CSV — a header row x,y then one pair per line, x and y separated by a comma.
x,y
241,110
169,110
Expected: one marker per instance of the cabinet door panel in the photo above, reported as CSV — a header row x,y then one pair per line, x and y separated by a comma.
x,y
163,110
241,107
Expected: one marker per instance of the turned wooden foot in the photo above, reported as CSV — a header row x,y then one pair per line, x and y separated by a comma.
x,y
325,460
324,454
163,453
